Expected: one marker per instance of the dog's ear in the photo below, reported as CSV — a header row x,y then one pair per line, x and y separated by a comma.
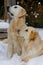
x,y
22,13
33,35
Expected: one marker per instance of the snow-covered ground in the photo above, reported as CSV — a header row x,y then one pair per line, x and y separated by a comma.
x,y
15,60
40,31
36,61
3,25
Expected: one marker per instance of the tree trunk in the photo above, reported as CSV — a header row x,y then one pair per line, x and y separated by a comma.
x,y
5,12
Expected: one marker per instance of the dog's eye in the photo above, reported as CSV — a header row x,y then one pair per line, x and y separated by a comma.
x,y
15,7
18,30
26,30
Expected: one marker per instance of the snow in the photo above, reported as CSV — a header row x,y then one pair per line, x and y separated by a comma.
x,y
3,50
39,3
3,25
40,31
15,60
36,61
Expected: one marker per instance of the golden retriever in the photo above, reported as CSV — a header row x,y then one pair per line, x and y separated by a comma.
x,y
33,45
17,23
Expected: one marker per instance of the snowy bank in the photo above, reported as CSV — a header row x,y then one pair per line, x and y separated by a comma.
x,y
3,25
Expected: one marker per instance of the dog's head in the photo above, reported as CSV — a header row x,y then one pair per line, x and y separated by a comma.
x,y
29,33
17,11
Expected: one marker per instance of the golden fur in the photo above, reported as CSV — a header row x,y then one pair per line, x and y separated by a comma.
x,y
33,45
23,40
14,40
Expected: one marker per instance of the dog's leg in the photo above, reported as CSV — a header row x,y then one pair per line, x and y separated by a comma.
x,y
10,50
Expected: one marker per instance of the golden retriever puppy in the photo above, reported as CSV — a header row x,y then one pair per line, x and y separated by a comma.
x,y
17,23
32,45
18,15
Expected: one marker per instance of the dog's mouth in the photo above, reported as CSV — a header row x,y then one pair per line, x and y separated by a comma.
x,y
11,14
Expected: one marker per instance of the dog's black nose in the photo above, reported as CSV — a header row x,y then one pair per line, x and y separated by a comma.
x,y
15,7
